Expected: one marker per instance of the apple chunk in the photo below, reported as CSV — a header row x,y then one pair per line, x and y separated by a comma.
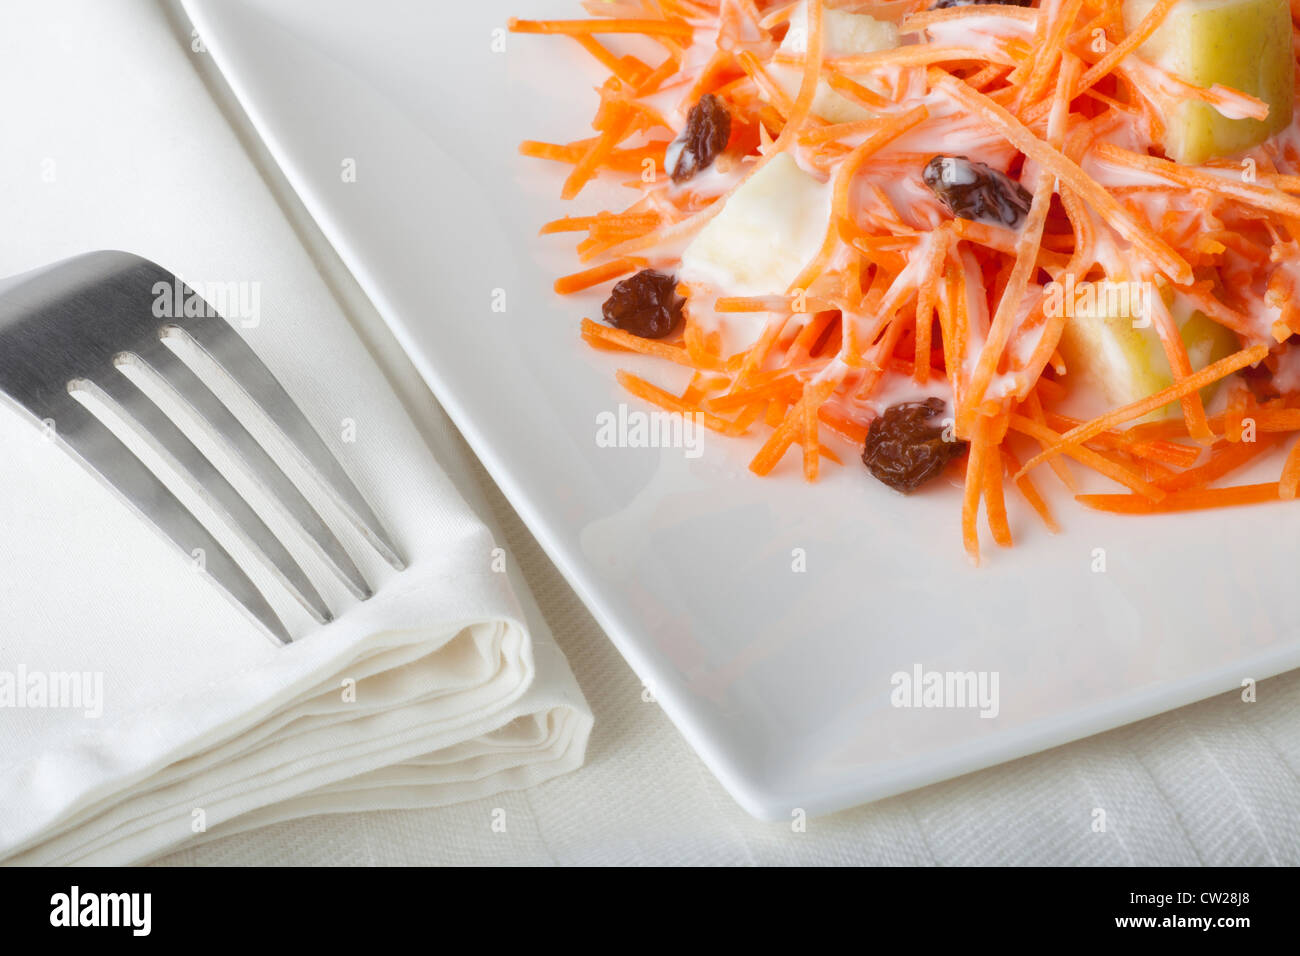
x,y
770,228
1111,362
842,33
1242,44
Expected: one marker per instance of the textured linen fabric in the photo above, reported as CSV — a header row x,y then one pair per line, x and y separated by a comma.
x,y
444,686
1214,783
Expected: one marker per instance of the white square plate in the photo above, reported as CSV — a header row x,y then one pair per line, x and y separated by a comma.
x,y
781,679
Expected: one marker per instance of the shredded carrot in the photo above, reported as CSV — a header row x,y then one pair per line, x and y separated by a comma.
x,y
628,70
1261,197
994,501
1048,53
595,276
1180,363
1116,54
643,389
918,55
1094,460
1030,492
915,22
673,28
583,171
1223,460
785,387
1065,169
812,69
1184,501
772,303
1034,404
1290,479
1155,449
811,443
618,160
1028,92
1235,415
974,488
1207,375
1012,295
632,222
855,92
603,335
781,439
840,212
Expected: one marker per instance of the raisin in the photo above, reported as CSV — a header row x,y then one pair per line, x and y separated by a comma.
x,y
646,304
944,4
977,192
708,127
904,449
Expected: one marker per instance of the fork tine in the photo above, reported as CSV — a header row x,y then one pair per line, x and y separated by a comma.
x,y
163,435
104,454
187,388
224,346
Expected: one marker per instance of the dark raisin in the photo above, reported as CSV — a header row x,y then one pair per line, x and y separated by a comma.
x,y
943,4
905,449
646,304
977,192
708,127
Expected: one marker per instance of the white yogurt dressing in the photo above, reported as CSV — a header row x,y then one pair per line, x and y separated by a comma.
x,y
708,183
1287,376
738,331
987,34
950,130
894,389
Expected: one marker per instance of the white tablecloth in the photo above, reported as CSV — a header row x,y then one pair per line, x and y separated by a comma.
x,y
446,685
1214,783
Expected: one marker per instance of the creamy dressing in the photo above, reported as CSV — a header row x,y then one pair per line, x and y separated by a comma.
x,y
1286,378
708,183
737,330
1228,111
666,100
769,230
753,248
894,389
1165,88
986,34
1021,347
952,131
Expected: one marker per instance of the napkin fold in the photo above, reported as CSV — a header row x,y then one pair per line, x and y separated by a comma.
x,y
188,722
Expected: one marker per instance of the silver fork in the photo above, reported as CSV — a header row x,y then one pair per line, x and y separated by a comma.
x,y
71,326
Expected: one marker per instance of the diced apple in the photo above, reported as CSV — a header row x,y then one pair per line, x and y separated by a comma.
x,y
1242,44
1207,341
1109,358
842,34
770,228
1110,362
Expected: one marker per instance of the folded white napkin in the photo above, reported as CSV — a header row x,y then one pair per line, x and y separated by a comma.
x,y
443,687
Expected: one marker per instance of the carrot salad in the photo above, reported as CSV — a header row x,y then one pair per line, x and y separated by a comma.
x,y
853,222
